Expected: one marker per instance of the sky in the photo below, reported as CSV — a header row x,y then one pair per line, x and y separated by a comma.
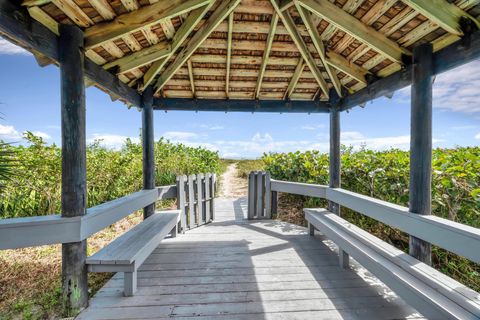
x,y
30,101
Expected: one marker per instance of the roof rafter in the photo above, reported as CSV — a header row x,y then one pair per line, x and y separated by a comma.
x,y
222,11
355,28
136,20
320,48
182,33
294,80
190,76
445,14
301,46
266,54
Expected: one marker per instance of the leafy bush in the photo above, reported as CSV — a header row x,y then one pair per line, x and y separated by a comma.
x,y
385,175
35,187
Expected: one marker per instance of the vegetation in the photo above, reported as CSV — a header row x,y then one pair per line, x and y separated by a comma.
x,y
244,167
385,175
30,277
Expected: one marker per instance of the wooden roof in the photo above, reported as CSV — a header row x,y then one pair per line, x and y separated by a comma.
x,y
248,49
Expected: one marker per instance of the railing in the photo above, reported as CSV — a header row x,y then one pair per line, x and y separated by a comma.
x,y
196,196
452,236
197,209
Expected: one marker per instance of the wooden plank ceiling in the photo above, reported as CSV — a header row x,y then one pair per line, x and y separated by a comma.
x,y
256,49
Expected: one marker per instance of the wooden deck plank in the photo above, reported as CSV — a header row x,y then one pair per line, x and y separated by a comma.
x,y
239,269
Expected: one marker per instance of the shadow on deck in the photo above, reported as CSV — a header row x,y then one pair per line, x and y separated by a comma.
x,y
238,269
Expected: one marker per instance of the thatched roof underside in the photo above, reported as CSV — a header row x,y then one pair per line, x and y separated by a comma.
x,y
233,50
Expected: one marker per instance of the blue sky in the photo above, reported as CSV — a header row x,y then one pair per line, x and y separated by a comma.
x,y
30,100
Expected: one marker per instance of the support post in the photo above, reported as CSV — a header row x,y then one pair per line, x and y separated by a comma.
x,y
274,203
335,172
148,147
421,144
74,164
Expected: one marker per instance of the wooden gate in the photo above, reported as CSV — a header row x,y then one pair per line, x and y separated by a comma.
x,y
196,197
259,195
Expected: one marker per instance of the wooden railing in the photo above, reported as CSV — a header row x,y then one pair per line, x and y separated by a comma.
x,y
197,209
196,196
452,236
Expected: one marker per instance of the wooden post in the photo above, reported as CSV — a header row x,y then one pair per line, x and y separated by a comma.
x,y
148,147
268,196
274,203
335,172
251,195
421,144
181,180
74,164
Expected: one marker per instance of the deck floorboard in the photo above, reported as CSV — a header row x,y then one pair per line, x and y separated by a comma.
x,y
239,269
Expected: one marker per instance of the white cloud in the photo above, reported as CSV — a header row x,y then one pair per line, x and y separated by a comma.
x,y
351,135
179,135
9,133
477,136
41,134
111,140
6,47
212,127
456,90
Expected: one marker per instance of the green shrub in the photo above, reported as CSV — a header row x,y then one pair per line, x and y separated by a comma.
x,y
385,175
35,187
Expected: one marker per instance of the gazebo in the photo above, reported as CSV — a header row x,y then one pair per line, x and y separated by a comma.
x,y
283,56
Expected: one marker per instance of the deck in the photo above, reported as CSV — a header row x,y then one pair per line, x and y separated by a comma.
x,y
238,269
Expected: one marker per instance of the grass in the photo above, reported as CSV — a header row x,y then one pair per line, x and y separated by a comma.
x,y
244,167
30,278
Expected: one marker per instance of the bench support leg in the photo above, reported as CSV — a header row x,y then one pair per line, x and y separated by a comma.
x,y
174,232
343,259
129,283
311,229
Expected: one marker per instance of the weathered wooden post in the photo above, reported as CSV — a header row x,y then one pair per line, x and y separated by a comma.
x,y
74,164
335,172
421,144
148,147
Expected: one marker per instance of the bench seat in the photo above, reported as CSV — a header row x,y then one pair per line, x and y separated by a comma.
x,y
129,251
432,293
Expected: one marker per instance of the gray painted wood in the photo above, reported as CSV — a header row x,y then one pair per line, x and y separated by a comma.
x,y
191,201
200,200
452,236
129,251
74,163
274,202
255,270
213,195
260,179
208,200
421,144
304,189
251,195
268,196
417,283
181,181
148,146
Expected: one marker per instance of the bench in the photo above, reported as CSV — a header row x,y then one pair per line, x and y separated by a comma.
x,y
432,293
127,252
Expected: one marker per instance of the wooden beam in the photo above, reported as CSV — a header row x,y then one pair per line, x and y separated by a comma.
x,y
180,36
222,11
444,60
241,105
18,27
295,77
334,169
229,53
288,22
136,20
355,28
74,164
74,12
420,199
446,15
320,48
266,54
103,8
190,76
148,143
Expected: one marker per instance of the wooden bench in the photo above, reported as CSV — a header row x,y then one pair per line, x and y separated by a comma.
x,y
432,293
127,252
